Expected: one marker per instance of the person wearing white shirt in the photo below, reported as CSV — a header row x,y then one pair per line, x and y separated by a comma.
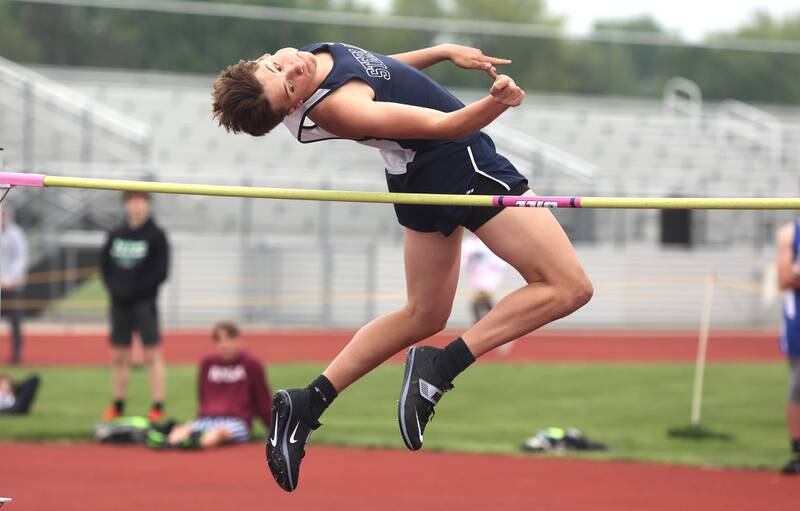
x,y
13,269
485,272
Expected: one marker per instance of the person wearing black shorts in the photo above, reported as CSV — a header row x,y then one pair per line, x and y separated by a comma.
x,y
430,143
134,264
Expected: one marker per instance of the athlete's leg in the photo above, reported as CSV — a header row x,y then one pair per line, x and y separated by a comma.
x,y
793,402
187,437
793,416
147,322
215,437
180,433
532,241
793,419
121,336
120,361
432,263
155,362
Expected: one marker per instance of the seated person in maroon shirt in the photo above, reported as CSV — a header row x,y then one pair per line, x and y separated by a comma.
x,y
232,389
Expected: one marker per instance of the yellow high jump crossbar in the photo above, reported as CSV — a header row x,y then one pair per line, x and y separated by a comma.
x,y
12,179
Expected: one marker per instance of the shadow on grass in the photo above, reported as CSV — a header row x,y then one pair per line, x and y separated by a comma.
x,y
699,433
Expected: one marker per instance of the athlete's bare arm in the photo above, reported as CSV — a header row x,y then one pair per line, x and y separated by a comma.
x,y
462,56
788,271
351,112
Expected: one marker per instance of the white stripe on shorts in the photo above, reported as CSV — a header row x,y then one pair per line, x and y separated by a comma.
x,y
235,426
484,174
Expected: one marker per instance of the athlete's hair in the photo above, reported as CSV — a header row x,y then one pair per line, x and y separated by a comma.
x,y
130,194
240,104
229,327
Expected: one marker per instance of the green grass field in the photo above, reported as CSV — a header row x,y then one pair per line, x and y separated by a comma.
x,y
493,408
90,295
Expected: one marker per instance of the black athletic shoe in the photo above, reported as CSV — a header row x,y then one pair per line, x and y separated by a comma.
x,y
422,388
793,467
290,432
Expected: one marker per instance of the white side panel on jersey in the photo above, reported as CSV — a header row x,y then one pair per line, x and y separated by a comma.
x,y
395,157
790,305
295,120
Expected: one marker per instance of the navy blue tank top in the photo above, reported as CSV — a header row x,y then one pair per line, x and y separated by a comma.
x,y
790,327
392,81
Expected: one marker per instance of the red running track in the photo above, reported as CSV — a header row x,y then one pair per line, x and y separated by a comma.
x,y
101,478
94,478
274,346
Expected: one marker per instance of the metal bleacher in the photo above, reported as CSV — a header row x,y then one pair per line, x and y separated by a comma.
x,y
232,255
565,144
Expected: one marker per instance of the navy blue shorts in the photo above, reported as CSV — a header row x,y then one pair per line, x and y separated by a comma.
x,y
140,316
476,168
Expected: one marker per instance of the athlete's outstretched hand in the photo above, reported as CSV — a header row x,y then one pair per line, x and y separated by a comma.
x,y
473,58
506,92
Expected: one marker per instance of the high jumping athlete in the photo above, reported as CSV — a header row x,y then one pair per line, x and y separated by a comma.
x,y
431,143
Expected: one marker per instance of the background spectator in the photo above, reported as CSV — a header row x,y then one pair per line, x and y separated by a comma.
x,y
232,389
14,265
134,263
17,398
789,280
485,272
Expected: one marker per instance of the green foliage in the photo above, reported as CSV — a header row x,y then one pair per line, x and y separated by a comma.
x,y
430,9
612,68
493,408
15,42
519,11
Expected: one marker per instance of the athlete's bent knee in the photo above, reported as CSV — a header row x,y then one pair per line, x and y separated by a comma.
x,y
436,327
584,290
576,294
430,327
428,321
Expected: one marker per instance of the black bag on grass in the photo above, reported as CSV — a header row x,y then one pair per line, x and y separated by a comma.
x,y
123,430
559,439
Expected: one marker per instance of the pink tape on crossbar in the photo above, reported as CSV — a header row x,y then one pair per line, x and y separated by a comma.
x,y
529,201
20,179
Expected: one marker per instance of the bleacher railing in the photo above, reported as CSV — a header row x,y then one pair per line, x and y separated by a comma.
x,y
93,114
535,151
683,97
743,121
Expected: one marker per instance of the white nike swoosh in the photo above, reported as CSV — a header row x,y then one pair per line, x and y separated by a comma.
x,y
292,439
418,428
274,439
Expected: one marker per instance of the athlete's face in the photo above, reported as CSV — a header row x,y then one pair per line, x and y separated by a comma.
x,y
5,386
287,77
227,347
138,209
